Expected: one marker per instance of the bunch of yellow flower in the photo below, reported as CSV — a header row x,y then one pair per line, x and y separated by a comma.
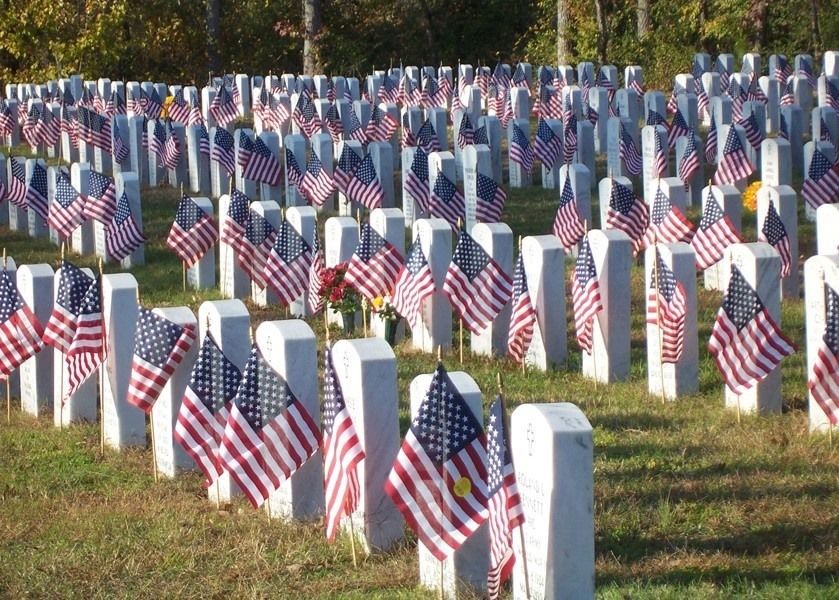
x,y
750,196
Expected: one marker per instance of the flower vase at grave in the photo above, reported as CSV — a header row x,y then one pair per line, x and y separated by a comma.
x,y
390,331
348,322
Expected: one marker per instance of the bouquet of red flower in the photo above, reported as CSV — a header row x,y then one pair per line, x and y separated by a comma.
x,y
339,295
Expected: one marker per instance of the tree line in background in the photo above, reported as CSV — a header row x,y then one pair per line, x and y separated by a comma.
x,y
184,40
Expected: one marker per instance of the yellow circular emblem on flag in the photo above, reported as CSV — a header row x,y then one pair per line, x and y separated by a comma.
x,y
462,487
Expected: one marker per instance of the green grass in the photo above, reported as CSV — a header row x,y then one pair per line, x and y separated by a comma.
x,y
687,502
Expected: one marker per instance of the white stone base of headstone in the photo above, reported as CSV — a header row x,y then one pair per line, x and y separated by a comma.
x,y
819,272
552,448
290,349
465,570
36,379
435,329
476,158
202,274
340,241
609,360
366,370
497,241
544,264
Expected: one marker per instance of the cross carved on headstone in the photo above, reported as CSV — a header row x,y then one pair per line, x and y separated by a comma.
x,y
530,439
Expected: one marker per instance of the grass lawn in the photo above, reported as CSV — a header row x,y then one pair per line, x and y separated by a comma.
x,y
687,502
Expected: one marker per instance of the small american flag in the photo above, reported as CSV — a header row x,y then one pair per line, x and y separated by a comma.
x,y
159,347
245,149
427,138
205,408
118,149
689,164
235,222
668,223
821,186
481,136
702,99
389,91
157,143
269,433
746,343
660,159
315,288
222,150
348,162
374,266
416,181
294,174
447,201
381,126
364,186
568,226
305,115
67,212
548,146
123,236
262,165
94,128
73,283
17,182
774,233
317,184
101,202
334,124
788,95
413,285
20,330
711,142
490,199
585,295
523,316
831,96
354,130
755,93
178,108
288,264
438,480
734,164
666,308
506,511
629,153
203,139
715,234
36,191
193,233
153,105
87,347
465,133
783,70
677,129
738,99
7,122
656,118
222,108
752,130
823,381
637,86
476,286
627,213
725,76
255,247
342,452
806,69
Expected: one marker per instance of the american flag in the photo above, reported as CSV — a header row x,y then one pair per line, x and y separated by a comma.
x,y
21,332
738,99
178,108
94,128
711,141
49,127
585,295
222,108
234,90
481,136
153,105
262,165
636,86
725,76
429,92
506,511
235,222
523,316
29,130
101,203
205,408
269,433
427,138
660,156
123,236
831,96
364,186
568,226
476,286
734,164
806,69
315,287
668,223
342,452
193,233
334,124
627,213
673,102
73,283
715,234
490,199
118,149
354,130
7,122
381,126
438,480
317,184
305,115
255,247
157,141
689,164
547,146
413,285
465,133
447,201
702,99
666,308
348,163
783,70
755,93
245,148
389,91
416,180
746,343
67,212
374,266
752,130
222,150
195,117
591,114
276,113
774,233
294,174
159,347
821,186
507,116
36,191
788,95
16,193
288,264
87,347
677,129
823,381
629,153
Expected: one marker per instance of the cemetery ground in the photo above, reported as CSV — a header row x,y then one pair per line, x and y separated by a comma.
x,y
688,503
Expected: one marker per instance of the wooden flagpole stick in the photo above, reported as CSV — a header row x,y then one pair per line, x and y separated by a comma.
x,y
461,341
658,319
183,273
510,454
364,314
442,424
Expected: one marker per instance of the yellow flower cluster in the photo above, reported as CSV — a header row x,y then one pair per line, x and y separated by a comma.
x,y
377,303
750,196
